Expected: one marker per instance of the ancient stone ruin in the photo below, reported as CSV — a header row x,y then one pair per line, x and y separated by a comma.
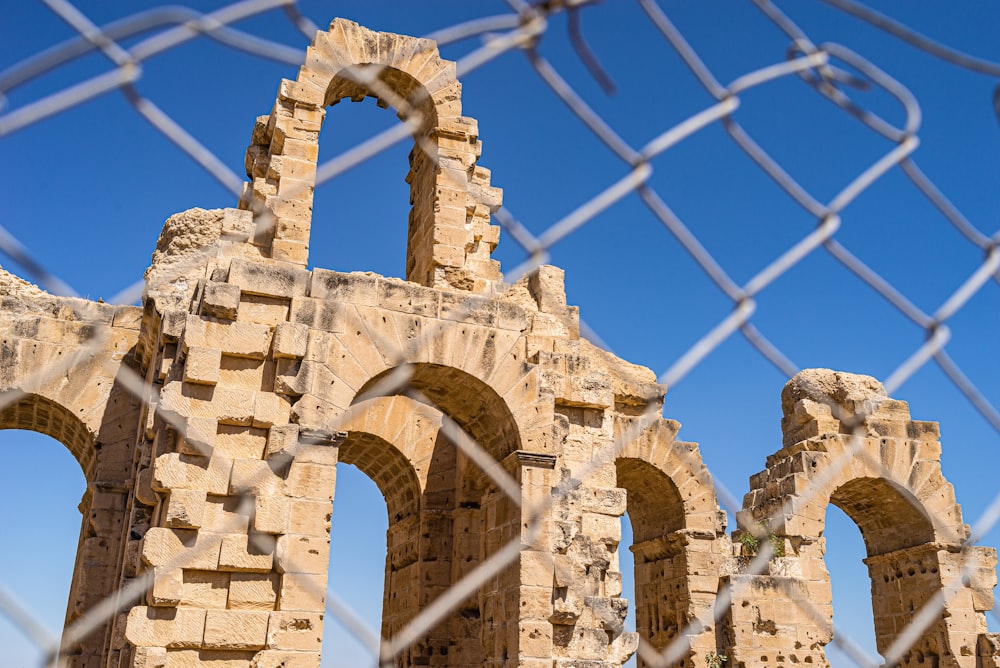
x,y
210,421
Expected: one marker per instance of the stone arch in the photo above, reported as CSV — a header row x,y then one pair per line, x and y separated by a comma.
x,y
450,239
388,469
661,459
391,440
860,477
473,405
848,444
38,413
60,361
476,375
889,517
385,464
464,507
101,506
428,546
676,525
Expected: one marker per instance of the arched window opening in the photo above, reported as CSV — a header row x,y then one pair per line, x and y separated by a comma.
x,y
901,557
41,486
852,610
656,512
431,539
357,565
360,216
461,515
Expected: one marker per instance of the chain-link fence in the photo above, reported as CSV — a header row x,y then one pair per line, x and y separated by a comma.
x,y
736,192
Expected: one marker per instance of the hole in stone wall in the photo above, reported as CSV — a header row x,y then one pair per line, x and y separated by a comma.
x,y
852,598
360,217
41,485
357,565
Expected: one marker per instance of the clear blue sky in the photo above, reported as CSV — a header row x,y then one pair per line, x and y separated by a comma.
x,y
86,191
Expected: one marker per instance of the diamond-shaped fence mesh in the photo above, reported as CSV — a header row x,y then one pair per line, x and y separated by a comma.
x,y
736,192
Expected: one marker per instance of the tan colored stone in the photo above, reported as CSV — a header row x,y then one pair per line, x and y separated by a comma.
x,y
165,627
238,442
295,631
302,554
271,514
303,591
253,553
235,629
310,480
205,589
180,548
167,586
185,508
201,365
253,591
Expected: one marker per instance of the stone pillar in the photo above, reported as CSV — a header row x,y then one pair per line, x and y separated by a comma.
x,y
764,625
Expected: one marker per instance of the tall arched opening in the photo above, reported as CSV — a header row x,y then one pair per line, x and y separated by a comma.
x,y
656,513
93,574
436,414
358,211
901,556
42,486
678,542
850,588
392,472
355,575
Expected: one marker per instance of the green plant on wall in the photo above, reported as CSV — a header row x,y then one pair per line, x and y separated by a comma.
x,y
713,660
777,545
749,543
751,540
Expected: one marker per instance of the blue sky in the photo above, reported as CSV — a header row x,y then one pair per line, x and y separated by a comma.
x,y
86,192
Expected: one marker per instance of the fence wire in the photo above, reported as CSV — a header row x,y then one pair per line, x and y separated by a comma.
x,y
831,71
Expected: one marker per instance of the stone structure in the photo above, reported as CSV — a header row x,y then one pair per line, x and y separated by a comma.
x,y
210,422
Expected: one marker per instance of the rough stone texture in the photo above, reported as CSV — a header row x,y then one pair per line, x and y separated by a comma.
x,y
258,377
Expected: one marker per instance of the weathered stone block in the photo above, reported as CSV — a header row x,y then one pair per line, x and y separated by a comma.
x,y
180,548
167,586
165,627
255,476
268,280
253,591
197,436
303,591
309,480
185,508
235,629
286,659
253,553
269,409
290,340
295,630
356,288
240,339
302,554
309,517
271,514
220,300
